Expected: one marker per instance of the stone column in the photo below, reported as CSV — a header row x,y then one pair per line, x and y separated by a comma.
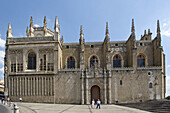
x,y
31,86
82,87
87,93
28,90
105,89
20,86
42,86
45,86
37,64
116,90
12,87
9,86
24,62
25,87
109,87
17,87
37,85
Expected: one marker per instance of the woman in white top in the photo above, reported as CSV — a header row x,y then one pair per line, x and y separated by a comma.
x,y
92,104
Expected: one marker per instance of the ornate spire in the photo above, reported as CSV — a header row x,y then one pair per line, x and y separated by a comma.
x,y
81,30
107,29
62,39
45,22
31,28
158,27
81,35
56,25
27,32
133,26
31,22
9,31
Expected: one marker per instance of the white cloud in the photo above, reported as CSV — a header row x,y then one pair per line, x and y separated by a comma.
x,y
2,54
1,76
2,42
168,65
166,27
36,25
2,69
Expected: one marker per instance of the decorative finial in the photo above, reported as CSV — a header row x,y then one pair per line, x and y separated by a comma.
x,y
149,31
107,29
45,21
31,28
133,26
31,22
62,39
158,27
56,25
9,31
144,32
81,30
27,31
81,40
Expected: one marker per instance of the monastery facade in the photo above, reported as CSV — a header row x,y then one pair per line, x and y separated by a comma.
x,y
42,68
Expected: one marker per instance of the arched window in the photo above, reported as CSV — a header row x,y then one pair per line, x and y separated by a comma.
x,y
93,60
150,85
32,60
70,62
116,61
141,61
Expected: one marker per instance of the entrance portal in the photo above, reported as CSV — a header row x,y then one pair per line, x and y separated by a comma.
x,y
95,92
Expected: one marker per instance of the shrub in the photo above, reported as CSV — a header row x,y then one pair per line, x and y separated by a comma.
x,y
168,97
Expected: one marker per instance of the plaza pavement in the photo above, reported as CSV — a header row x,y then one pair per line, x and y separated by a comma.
x,y
71,108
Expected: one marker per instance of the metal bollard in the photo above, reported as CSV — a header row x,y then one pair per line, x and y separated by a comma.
x,y
6,103
10,104
16,108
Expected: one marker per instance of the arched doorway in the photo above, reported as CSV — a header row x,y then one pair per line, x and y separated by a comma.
x,y
95,92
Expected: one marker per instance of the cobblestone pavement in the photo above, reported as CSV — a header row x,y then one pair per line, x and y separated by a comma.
x,y
5,109
70,108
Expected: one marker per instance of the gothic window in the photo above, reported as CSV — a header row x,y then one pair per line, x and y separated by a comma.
x,y
70,62
141,61
120,82
13,67
93,60
116,61
20,67
43,63
50,67
150,85
32,60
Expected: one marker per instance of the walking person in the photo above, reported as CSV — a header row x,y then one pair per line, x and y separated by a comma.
x,y
92,104
98,103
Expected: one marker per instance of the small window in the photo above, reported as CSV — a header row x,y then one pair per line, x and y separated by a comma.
x,y
92,46
32,61
116,61
149,73
116,44
141,44
71,62
150,85
67,47
93,60
141,61
120,82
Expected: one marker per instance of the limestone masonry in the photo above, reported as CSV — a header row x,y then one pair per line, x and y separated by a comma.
x,y
42,68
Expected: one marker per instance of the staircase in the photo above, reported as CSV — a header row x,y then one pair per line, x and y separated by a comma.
x,y
156,106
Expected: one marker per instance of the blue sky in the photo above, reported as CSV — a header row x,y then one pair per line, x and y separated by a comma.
x,y
92,14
